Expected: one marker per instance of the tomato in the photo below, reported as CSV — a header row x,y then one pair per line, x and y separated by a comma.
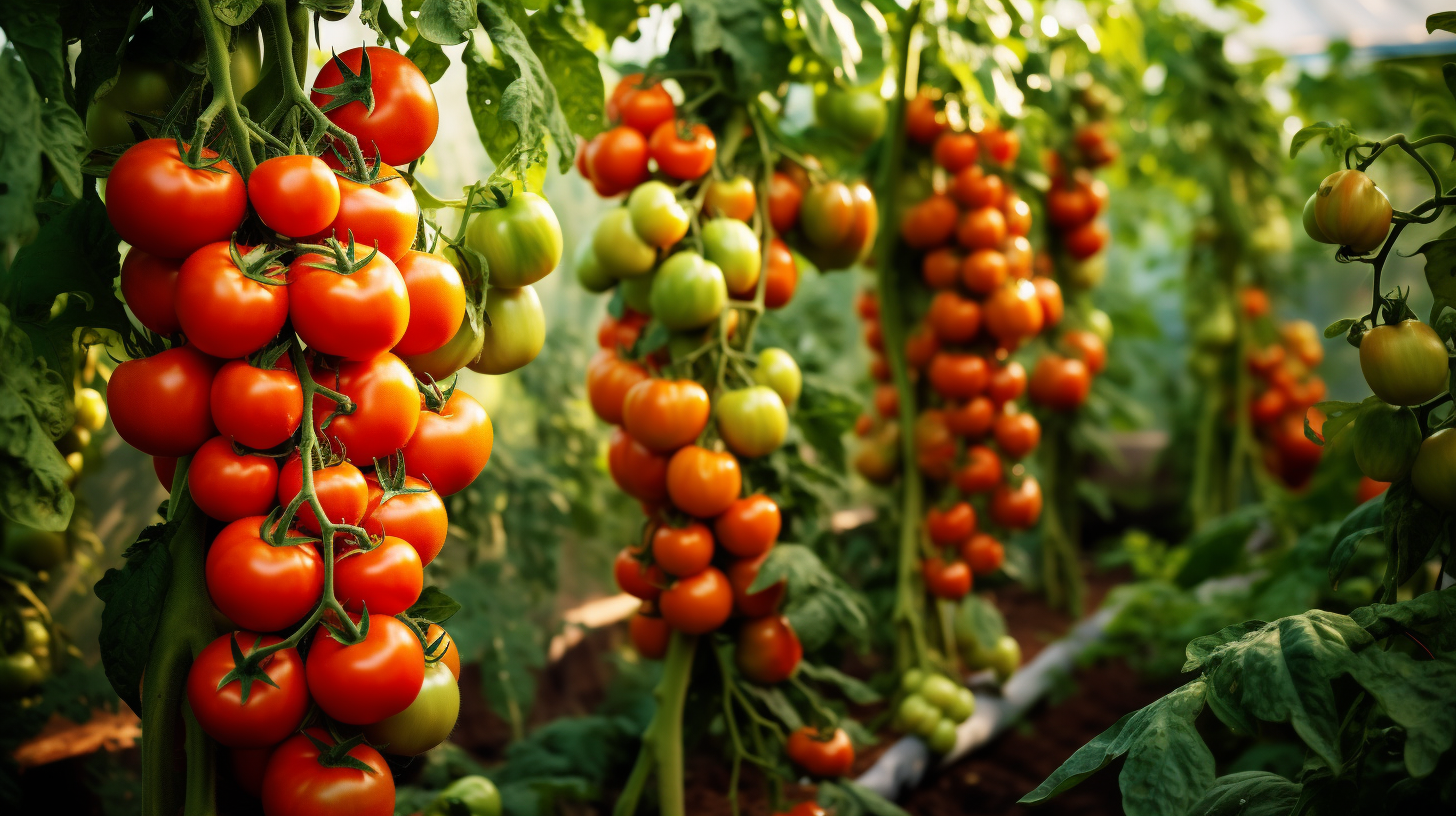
x,y
618,247
952,525
461,349
427,721
982,471
382,214
592,276
637,293
981,228
958,376
149,287
445,653
450,448
820,756
1405,363
161,206
1017,434
683,158
159,404
367,681
1254,301
950,581
636,578
227,486
436,302
619,160
417,518
624,86
941,268
521,241
742,573
638,471
1348,209
984,553
683,551
664,415
1268,407
984,271
1302,337
271,712
294,196
386,407
614,334
923,123
657,216
874,336
1049,295
840,222
139,88
1060,383
403,118
805,809
972,418
1369,489
644,109
749,526
516,334
222,312
954,319
929,223
386,580
1001,146
1007,383
1017,508
768,650
857,114
1086,240
650,635
731,245
975,189
608,379
731,198
1087,347
688,292
1434,473
1387,442
165,467
357,316
921,346
784,200
341,491
1018,215
1019,257
1014,313
258,586
1070,206
777,370
753,421
932,433
878,460
295,784
698,604
955,151
257,408
703,483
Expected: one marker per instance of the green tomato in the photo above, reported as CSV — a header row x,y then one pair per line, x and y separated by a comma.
x,y
858,114
516,333
777,370
911,680
657,216
731,245
476,794
1006,657
962,707
1100,324
1087,273
521,241
19,672
1217,329
927,725
139,88
913,710
37,637
943,738
1311,224
427,721
1434,473
592,276
38,549
637,293
1405,363
753,420
90,409
1387,441
619,249
688,292
454,355
940,691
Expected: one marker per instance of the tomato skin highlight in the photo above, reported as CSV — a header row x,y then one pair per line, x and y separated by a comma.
x,y
295,784
257,408
698,604
386,407
368,681
258,586
418,518
149,286
819,757
270,714
768,650
436,296
158,203
451,448
294,195
227,486
358,316
160,405
341,490
405,117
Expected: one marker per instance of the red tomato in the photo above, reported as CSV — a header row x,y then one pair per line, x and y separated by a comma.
x,y
703,483
295,784
382,214
227,486
768,650
643,109
295,196
608,379
984,271
636,578
784,199
1087,347
1013,313
436,302
749,526
1049,295
1017,434
358,316
418,518
159,204
698,604
981,228
1018,214
159,404
984,553
981,473
955,151
149,287
941,268
921,346
165,467
950,581
1060,383
1086,240
257,408
1268,406
972,418
1007,383
683,551
681,158
639,472
887,401
664,414
271,712
365,682
341,491
386,407
929,223
451,448
403,119
1018,507
624,86
223,312
953,318
820,756
1001,146
805,809
1369,489
923,123
650,635
783,275
741,575
387,579
258,586
618,160
958,376
975,189
952,525
445,651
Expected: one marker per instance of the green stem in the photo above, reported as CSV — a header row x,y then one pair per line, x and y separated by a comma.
x,y
662,742
222,84
293,89
201,769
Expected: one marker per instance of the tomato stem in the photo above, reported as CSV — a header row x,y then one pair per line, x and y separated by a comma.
x,y
293,92
662,741
218,73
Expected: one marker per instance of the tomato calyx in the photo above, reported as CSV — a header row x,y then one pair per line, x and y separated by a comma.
x,y
352,87
193,158
246,670
435,396
337,755
390,473
259,263
344,257
278,526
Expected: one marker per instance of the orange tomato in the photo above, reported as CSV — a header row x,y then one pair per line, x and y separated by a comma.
x,y
921,346
1087,347
972,418
699,604
650,634
1060,383
981,228
784,198
1019,256
703,483
608,379
749,526
682,551
958,376
636,578
1086,240
1049,295
1008,382
1018,214
931,222
1017,508
975,189
982,471
940,268
1001,146
984,553
984,271
953,318
1016,434
783,275
887,401
664,414
1013,313
923,122
950,581
952,525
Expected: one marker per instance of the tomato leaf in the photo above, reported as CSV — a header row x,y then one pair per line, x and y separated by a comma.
x,y
1251,793
856,691
1413,529
1339,327
736,27
824,415
35,410
1441,272
133,596
235,12
777,704
1338,415
1416,695
1218,548
446,22
434,606
818,603
846,798
1307,133
979,621
429,58
516,102
573,72
845,37
615,18
1441,21
1363,522
1435,611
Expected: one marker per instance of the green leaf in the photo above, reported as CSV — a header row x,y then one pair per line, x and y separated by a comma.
x,y
106,27
736,27
1441,272
133,596
1200,648
446,22
777,704
518,104
20,149
1251,793
434,606
1338,415
1218,547
1416,694
495,628
1307,133
978,622
33,29
846,798
824,415
235,12
573,72
856,691
1441,21
831,33
1164,726
1413,529
35,410
1432,610
1339,328
62,141
429,58
1362,522
1448,73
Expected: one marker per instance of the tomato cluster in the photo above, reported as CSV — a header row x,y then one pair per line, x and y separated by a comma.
x,y
1287,390
932,707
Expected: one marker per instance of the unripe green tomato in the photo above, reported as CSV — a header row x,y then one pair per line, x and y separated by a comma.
x,y
90,409
913,710
1405,363
1088,273
910,681
688,292
1350,210
620,250
637,293
731,245
943,738
657,215
1311,225
858,114
457,353
427,721
1434,473
939,690
1006,657
962,707
1217,328
516,333
38,549
777,370
476,794
1100,324
753,421
927,725
521,241
139,88
1387,440
592,276
37,638
19,672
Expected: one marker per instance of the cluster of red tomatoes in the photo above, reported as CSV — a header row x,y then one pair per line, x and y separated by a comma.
x,y
330,282
1287,389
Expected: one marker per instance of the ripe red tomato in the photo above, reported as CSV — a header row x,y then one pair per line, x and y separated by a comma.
x,y
1001,146
784,198
953,318
451,448
383,214
149,287
436,302
619,335
952,525
608,379
1268,406
165,467
981,228
683,551
941,268
227,486
971,418
1019,507
387,579
636,578
624,86
295,196
618,160
698,604
1013,313
644,109
1018,214
664,414
1086,240
255,407
367,681
950,581
984,271
386,407
223,312
650,634
741,575
958,376
975,189
159,404
418,518
749,526
681,158
1049,295
159,204
921,346
403,119
258,586
929,223
358,316
1087,347
295,784
703,483
955,151
984,553
819,755
1060,383
1070,206
840,222
1019,256
341,491
923,122
639,472
982,471
1017,434
768,650
805,809
1007,383
271,712
783,275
